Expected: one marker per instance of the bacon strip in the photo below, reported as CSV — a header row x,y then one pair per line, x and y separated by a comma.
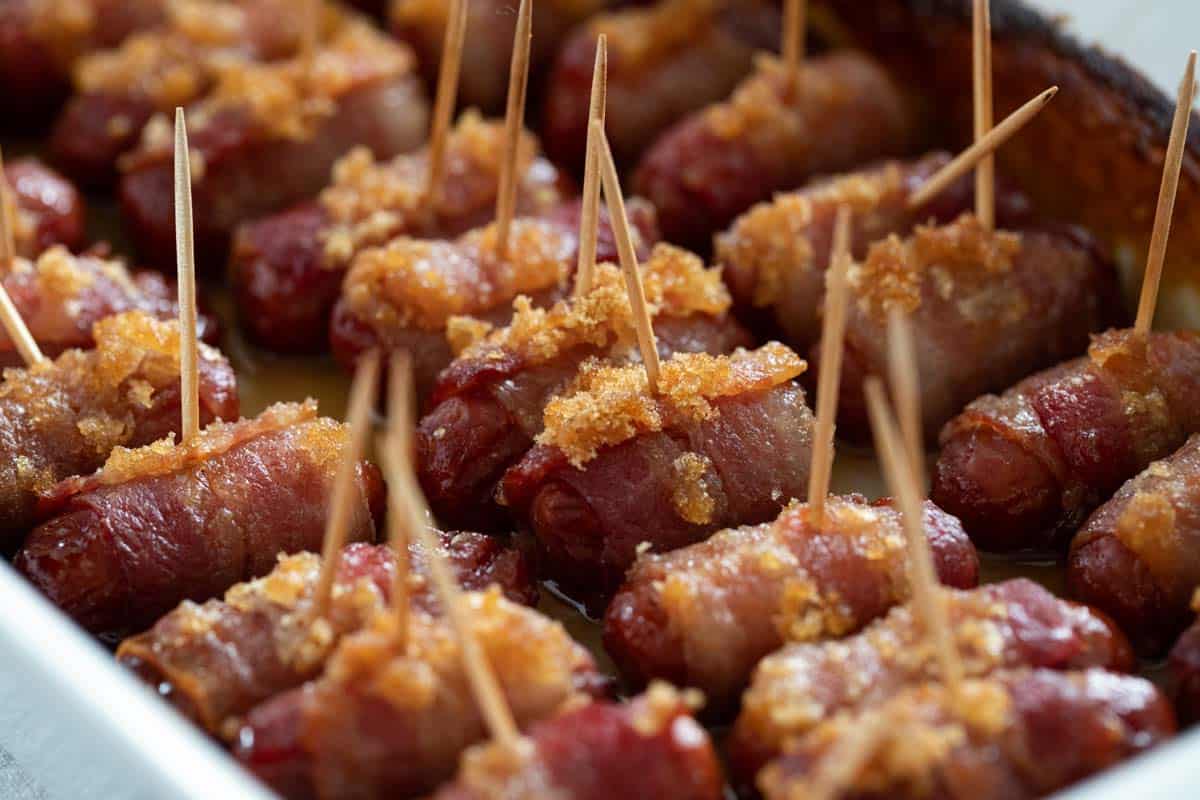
x,y
483,81
1024,469
41,39
775,255
1024,734
49,210
267,136
380,723
648,747
1006,625
287,269
704,615
216,661
714,164
664,61
1183,675
402,296
62,297
1138,556
64,417
167,523
986,307
725,442
487,405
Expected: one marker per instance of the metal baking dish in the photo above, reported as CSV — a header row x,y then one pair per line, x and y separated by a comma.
x,y
82,728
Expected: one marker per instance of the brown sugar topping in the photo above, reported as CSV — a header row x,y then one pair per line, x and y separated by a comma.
x,y
370,202
288,98
606,405
642,36
774,236
324,438
963,253
423,283
676,283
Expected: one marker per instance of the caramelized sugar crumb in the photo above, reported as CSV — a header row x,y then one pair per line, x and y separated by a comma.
x,y
962,253
606,405
165,456
422,283
538,676
676,283
371,202
774,237
640,37
1147,527
288,98
690,491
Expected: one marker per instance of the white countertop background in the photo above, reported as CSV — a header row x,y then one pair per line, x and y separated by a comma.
x,y
1155,35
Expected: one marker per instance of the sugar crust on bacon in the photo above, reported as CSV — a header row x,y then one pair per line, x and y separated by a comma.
x,y
676,283
422,283
323,438
606,405
773,235
369,202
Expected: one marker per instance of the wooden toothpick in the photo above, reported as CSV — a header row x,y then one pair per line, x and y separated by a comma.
x,y
1166,199
514,123
828,384
397,465
14,326
969,158
589,216
8,247
400,405
16,329
905,381
795,29
629,263
447,96
985,171
185,263
926,591
852,752
363,391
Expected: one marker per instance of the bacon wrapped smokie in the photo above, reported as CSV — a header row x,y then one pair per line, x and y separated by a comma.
x,y
117,91
389,722
664,61
772,135
402,296
704,615
1138,556
1024,469
40,40
216,661
267,135
47,210
483,82
487,405
64,417
650,747
1015,735
287,269
999,626
726,441
61,297
775,255
167,523
986,309
1183,672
